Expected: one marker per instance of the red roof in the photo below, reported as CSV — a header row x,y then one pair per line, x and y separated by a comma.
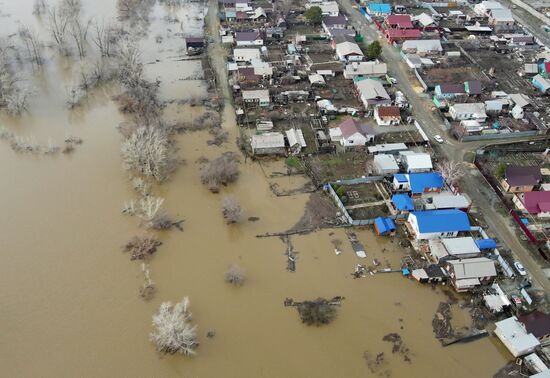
x,y
546,66
348,128
402,21
388,111
404,33
536,202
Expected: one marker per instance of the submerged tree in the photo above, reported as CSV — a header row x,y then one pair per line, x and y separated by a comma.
x,y
142,247
220,171
316,312
232,210
173,332
235,275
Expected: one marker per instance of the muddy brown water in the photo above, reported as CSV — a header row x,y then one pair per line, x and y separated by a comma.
x,y
69,297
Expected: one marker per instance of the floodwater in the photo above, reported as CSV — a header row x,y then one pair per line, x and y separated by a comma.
x,y
69,298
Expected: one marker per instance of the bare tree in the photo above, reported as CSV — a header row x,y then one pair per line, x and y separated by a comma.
x,y
232,210
148,152
39,7
79,33
102,37
58,23
220,171
142,247
452,171
173,332
32,43
148,289
235,275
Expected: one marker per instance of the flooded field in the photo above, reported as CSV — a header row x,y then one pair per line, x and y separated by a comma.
x,y
70,300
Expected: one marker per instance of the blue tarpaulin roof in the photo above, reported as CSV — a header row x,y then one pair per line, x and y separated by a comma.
x,y
422,181
486,244
403,202
400,177
384,225
380,8
442,221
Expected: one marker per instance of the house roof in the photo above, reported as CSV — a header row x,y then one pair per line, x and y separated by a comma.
x,y
537,202
389,147
473,268
295,136
401,177
386,162
450,201
380,8
268,140
248,73
438,221
486,243
520,99
513,334
348,48
334,20
449,88
402,201
422,181
503,15
460,246
404,33
247,35
384,225
545,84
349,127
261,94
522,175
473,87
372,89
475,108
418,160
388,111
424,19
403,21
366,68
340,32
537,323
423,45
343,38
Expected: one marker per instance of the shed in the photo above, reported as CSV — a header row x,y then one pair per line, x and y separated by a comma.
x,y
384,226
385,164
295,138
268,144
402,202
417,162
486,244
514,336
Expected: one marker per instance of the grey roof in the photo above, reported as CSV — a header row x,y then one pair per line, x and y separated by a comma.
x,y
450,201
268,140
247,35
473,268
372,89
334,20
423,45
461,246
385,162
520,99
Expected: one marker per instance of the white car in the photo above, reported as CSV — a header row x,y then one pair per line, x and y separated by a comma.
x,y
520,268
438,139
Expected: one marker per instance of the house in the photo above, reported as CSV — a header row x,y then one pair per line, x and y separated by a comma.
x,y
360,70
449,201
349,52
424,20
473,87
519,179
259,14
485,7
430,274
530,69
538,324
296,140
453,248
469,111
247,75
437,223
515,337
256,97
418,183
413,60
384,226
495,299
387,115
402,202
385,164
389,148
335,32
466,274
351,134
524,40
422,46
448,90
372,92
417,162
398,21
334,22
194,42
316,80
541,83
379,10
328,8
246,55
536,203
249,38
487,244
398,35
268,144
501,18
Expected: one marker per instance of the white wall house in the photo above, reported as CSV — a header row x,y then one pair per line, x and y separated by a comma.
x,y
246,55
427,225
514,336
470,111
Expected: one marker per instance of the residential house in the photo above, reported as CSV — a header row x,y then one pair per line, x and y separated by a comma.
x,y
352,134
398,21
399,35
268,144
379,10
473,87
371,93
328,8
466,274
387,115
422,46
448,90
535,203
249,38
519,179
483,8
259,14
469,111
384,226
194,42
541,83
453,248
317,80
402,202
449,201
416,162
385,164
418,183
349,52
430,274
524,40
501,18
247,75
424,20
538,324
258,97
425,225
296,140
515,337
344,32
334,22
360,70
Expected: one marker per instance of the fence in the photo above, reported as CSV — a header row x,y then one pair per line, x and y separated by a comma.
x,y
520,134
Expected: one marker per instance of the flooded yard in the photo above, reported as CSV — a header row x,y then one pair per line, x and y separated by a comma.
x,y
70,297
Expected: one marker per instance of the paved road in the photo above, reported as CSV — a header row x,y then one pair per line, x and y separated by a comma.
x,y
481,193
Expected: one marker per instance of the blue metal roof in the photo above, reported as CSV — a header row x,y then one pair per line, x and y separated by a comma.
x,y
403,202
384,225
442,221
400,177
422,181
486,244
380,8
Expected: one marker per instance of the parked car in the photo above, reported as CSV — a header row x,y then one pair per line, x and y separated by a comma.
x,y
438,139
520,269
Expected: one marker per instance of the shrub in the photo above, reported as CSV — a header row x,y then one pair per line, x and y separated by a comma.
x,y
232,210
223,170
316,312
235,275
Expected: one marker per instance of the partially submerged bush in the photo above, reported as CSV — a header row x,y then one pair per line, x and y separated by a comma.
x,y
173,332
316,312
142,247
235,275
223,170
232,210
